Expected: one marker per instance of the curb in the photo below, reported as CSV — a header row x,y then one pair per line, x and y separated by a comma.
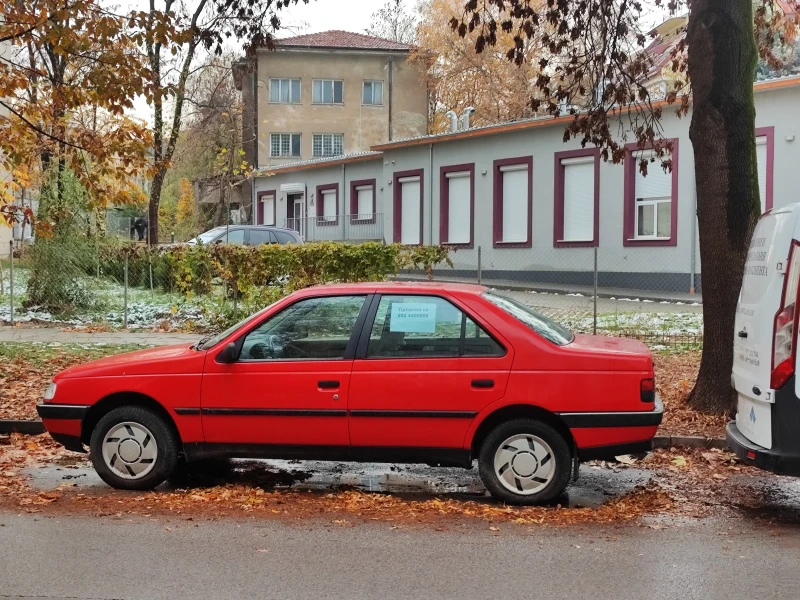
x,y
689,441
26,427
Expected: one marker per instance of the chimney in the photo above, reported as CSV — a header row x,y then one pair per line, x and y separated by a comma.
x,y
465,117
453,120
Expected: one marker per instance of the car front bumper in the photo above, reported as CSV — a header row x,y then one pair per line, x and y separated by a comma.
x,y
758,456
64,423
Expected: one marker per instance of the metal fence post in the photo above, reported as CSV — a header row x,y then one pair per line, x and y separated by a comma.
x,y
150,261
11,278
125,297
594,320
480,275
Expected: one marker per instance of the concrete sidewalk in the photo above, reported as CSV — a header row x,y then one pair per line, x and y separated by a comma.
x,y
54,334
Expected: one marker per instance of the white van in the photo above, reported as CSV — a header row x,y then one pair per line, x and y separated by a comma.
x,y
766,432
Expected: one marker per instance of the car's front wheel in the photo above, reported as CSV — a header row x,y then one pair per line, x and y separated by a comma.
x,y
132,448
525,462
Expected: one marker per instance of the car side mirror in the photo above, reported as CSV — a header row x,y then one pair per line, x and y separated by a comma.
x,y
229,354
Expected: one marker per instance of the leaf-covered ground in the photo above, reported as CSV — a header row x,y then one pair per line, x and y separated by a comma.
x,y
26,370
675,376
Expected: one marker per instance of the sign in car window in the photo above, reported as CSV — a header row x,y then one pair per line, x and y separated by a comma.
x,y
413,317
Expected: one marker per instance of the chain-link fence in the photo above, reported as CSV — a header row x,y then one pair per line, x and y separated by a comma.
x,y
73,282
637,291
634,292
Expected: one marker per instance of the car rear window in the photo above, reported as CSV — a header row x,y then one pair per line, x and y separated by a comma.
x,y
285,238
544,326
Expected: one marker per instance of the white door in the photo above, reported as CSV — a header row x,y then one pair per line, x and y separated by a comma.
x,y
759,301
299,216
410,210
515,203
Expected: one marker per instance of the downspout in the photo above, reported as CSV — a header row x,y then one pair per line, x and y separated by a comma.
x,y
344,202
430,194
389,101
253,194
693,265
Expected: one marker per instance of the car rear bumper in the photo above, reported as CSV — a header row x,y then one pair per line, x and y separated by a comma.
x,y
774,461
643,418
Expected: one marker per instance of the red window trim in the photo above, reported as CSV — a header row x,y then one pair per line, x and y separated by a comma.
x,y
260,207
497,188
354,200
397,203
769,133
321,222
558,201
629,217
444,203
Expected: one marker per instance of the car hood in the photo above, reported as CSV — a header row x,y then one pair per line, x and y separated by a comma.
x,y
152,361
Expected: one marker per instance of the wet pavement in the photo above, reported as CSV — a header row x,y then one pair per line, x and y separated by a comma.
x,y
595,485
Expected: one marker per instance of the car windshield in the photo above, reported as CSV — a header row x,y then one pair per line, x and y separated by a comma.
x,y
544,326
212,340
207,237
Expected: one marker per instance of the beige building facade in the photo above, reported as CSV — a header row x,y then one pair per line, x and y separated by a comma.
x,y
328,94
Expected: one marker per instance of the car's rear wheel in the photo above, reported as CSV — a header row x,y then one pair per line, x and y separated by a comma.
x,y
525,462
132,448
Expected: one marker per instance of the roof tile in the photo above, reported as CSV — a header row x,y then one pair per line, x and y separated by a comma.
x,y
340,39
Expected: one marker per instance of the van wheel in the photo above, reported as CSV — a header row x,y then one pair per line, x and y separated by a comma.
x,y
525,462
132,448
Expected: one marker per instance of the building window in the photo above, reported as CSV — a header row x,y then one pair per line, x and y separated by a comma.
x,y
362,201
328,144
284,91
373,92
577,198
285,144
326,91
266,208
328,204
407,214
513,200
651,201
457,196
765,155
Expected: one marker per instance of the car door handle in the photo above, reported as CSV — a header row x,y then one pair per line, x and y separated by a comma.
x,y
483,383
328,384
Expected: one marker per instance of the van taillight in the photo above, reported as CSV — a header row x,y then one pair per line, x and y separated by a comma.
x,y
648,390
784,333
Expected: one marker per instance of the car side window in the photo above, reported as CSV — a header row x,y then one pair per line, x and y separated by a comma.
x,y
234,236
262,236
426,327
311,329
285,238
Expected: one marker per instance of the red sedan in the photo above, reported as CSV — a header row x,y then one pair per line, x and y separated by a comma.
x,y
383,372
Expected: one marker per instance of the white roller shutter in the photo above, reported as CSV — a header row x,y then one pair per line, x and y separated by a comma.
x,y
329,205
657,184
761,158
578,199
409,210
515,203
364,201
269,210
458,208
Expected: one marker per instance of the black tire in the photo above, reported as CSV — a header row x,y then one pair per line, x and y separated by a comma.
x,y
560,454
167,444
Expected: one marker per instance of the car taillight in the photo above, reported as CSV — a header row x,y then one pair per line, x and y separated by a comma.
x,y
784,332
648,390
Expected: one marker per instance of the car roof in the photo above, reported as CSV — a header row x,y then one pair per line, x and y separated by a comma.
x,y
388,287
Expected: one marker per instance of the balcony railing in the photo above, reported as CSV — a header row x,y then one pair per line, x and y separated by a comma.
x,y
356,228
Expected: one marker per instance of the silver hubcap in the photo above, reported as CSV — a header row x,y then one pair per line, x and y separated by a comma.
x,y
130,450
524,464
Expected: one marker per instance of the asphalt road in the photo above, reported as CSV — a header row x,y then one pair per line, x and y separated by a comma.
x,y
104,558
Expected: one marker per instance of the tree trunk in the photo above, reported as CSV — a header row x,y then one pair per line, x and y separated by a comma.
x,y
152,208
721,63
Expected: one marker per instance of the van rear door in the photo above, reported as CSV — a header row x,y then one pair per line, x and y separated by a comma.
x,y
759,302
